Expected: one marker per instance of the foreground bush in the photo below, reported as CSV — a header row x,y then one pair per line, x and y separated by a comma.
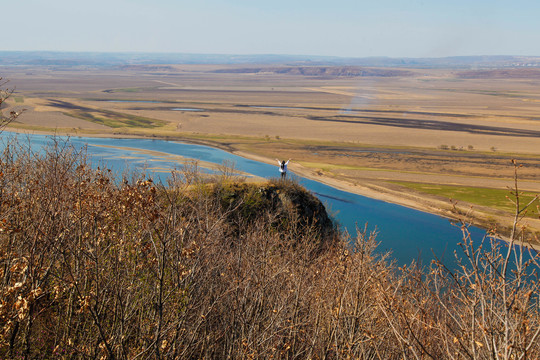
x,y
92,266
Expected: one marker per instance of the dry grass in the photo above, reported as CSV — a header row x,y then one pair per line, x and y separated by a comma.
x,y
97,267
424,107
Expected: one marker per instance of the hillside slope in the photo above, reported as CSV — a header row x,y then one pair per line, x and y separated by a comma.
x,y
206,267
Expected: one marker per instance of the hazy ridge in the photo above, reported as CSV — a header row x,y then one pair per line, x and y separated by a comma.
x,y
97,59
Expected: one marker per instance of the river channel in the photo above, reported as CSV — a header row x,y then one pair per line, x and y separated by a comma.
x,y
409,234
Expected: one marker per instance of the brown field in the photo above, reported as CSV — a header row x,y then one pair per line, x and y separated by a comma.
x,y
360,132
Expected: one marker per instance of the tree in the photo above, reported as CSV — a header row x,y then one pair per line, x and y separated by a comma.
x,y
5,93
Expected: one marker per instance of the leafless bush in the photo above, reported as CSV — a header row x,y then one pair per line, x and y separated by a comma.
x,y
93,267
227,172
5,93
488,308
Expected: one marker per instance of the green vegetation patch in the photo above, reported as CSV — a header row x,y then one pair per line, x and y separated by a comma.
x,y
494,198
18,99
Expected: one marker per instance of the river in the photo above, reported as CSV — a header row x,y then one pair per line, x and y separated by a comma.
x,y
409,234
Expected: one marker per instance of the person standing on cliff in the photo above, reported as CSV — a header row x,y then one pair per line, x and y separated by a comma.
x,y
283,167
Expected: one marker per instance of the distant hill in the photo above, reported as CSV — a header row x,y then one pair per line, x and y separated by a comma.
x,y
319,71
93,59
511,73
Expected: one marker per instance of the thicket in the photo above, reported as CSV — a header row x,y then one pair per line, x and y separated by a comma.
x,y
93,265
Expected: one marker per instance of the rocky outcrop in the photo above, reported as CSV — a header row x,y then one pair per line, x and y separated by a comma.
x,y
285,205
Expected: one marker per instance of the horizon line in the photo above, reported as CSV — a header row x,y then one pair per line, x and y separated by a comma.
x,y
134,52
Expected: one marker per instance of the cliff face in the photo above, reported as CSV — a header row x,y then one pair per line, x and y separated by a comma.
x,y
285,205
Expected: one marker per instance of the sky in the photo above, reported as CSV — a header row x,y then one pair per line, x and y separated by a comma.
x,y
345,28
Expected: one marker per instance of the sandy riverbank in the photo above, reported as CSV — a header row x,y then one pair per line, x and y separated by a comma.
x,y
474,215
368,187
380,193
408,199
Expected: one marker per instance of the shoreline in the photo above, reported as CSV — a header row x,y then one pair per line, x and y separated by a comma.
x,y
409,199
296,167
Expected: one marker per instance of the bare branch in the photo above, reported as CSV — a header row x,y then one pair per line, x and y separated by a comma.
x,y
5,93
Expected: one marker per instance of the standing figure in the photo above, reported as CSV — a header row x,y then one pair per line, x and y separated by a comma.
x,y
283,167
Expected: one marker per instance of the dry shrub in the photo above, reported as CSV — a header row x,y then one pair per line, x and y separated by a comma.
x,y
5,94
487,308
96,267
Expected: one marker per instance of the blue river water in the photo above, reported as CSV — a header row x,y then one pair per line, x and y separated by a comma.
x,y
409,234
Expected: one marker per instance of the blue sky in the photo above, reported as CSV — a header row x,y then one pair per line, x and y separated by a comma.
x,y
396,28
